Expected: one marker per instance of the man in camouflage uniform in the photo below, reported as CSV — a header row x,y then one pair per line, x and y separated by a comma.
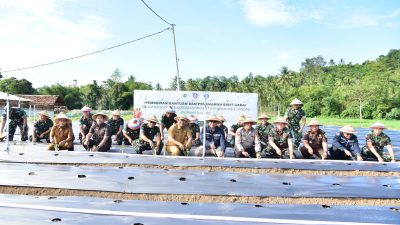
x,y
345,145
167,120
148,132
376,141
116,124
263,130
18,118
315,142
85,122
280,141
195,129
42,128
234,128
296,118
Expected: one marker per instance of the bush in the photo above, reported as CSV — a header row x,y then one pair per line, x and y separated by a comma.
x,y
394,114
312,109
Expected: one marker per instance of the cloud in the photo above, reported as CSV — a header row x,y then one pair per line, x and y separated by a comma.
x,y
360,20
266,13
36,32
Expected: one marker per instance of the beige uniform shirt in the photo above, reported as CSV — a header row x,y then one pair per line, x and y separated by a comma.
x,y
244,139
179,134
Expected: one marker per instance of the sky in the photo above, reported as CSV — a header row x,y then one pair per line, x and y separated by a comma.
x,y
213,37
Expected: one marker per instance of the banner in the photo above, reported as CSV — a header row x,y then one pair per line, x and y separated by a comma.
x,y
228,104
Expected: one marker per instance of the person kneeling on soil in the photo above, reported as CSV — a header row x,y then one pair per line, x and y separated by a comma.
x,y
247,140
116,124
345,145
280,141
148,132
62,134
315,142
215,139
195,129
132,134
376,142
179,137
85,122
42,128
99,137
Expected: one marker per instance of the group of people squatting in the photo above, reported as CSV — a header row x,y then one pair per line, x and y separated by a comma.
x,y
248,138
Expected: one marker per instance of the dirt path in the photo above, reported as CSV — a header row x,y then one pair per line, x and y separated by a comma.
x,y
235,169
324,202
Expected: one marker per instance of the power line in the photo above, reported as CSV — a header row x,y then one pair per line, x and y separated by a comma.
x,y
91,53
156,13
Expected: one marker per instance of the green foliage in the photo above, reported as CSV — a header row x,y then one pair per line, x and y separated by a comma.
x,y
14,86
394,114
71,95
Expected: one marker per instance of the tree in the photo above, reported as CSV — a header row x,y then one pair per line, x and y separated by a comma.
x,y
14,86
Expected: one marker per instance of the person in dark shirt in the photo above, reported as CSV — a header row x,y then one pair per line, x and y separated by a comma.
x,y
315,142
150,136
167,120
99,137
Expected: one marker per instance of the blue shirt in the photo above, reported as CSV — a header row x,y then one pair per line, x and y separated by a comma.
x,y
351,144
216,137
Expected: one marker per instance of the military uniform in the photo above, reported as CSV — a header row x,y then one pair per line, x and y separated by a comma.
x,y
263,131
41,127
133,134
379,142
340,143
168,121
315,141
150,133
234,127
98,133
16,117
294,117
85,123
194,128
280,138
115,125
